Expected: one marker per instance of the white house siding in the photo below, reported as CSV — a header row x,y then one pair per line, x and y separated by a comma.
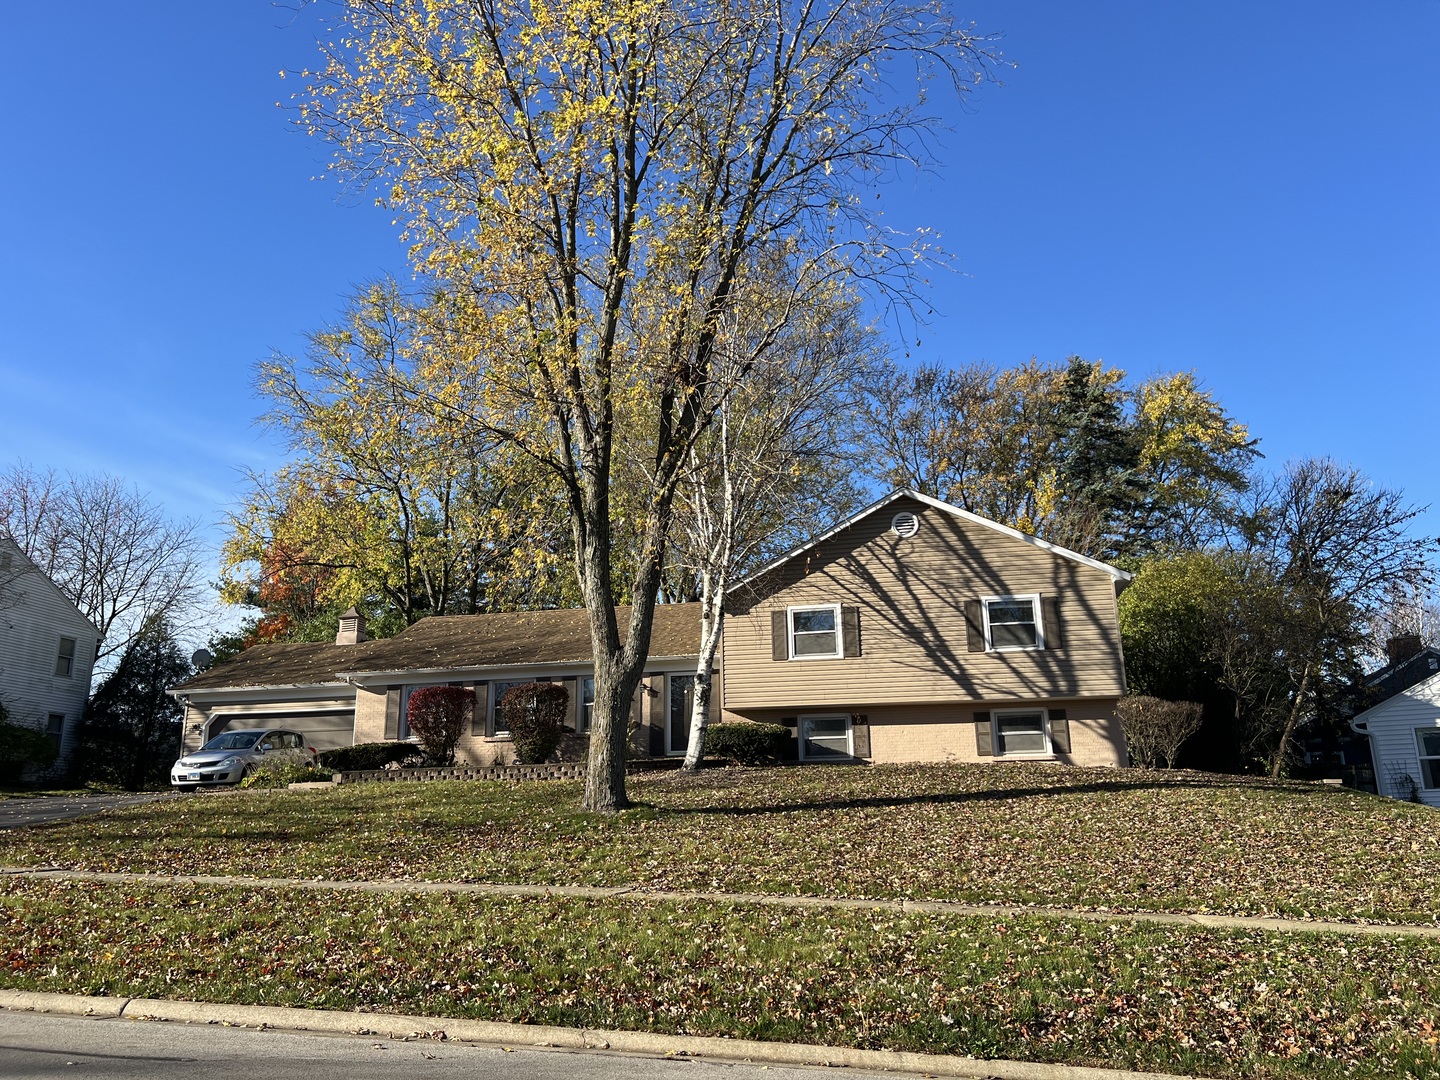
x,y
34,616
1391,726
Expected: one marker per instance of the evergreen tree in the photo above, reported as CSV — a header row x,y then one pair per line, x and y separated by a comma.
x,y
1097,460
131,731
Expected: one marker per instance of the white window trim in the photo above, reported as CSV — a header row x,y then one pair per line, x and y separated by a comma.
x,y
839,652
849,733
996,714
1423,757
1034,598
490,731
74,656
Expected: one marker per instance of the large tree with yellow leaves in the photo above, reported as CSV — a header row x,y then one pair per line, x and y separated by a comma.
x,y
597,182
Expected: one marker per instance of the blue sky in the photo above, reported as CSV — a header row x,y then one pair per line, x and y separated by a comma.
x,y
1244,190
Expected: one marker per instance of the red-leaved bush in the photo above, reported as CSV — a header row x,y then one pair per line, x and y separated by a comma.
x,y
535,714
438,715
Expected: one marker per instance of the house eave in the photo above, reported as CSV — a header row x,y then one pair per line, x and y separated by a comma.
x,y
1120,577
478,670
183,691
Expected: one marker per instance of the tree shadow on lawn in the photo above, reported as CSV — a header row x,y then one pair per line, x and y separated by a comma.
x,y
950,798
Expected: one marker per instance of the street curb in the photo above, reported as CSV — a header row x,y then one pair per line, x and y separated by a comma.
x,y
641,1043
1195,920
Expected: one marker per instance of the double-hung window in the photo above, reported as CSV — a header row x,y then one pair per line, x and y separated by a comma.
x,y
55,729
815,632
1429,746
1021,732
587,703
1013,623
65,659
499,726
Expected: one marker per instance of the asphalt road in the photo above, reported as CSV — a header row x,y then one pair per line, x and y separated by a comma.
x,y
39,1046
42,808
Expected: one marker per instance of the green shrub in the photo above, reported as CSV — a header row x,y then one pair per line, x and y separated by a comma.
x,y
283,773
438,715
535,714
20,748
372,755
747,742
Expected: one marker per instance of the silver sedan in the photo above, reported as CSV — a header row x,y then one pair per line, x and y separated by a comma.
x,y
231,756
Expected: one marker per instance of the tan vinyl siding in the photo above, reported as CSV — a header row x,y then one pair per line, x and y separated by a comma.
x,y
911,594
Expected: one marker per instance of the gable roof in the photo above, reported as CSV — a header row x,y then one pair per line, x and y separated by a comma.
x,y
11,548
1394,678
1114,572
446,643
1416,689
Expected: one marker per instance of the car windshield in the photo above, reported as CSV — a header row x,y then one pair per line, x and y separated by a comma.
x,y
233,740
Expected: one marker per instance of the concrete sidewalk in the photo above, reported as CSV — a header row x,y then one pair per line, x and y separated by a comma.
x,y
637,1043
938,907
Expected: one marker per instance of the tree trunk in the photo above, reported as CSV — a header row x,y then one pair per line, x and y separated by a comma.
x,y
619,665
712,622
1287,733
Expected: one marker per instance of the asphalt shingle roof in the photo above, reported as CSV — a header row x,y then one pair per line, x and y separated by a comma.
x,y
449,641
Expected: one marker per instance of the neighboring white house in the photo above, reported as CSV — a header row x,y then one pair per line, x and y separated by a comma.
x,y
47,650
1404,733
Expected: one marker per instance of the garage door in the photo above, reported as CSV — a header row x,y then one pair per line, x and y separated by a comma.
x,y
322,730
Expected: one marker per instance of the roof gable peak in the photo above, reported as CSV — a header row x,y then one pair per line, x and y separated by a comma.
x,y
1115,573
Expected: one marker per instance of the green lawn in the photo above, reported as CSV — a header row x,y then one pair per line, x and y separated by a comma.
x,y
1222,1003
1005,833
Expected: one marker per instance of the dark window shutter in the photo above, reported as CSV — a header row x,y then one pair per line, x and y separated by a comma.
x,y
572,687
850,623
1050,622
793,750
1059,732
392,712
659,711
860,734
974,626
779,635
984,740
481,716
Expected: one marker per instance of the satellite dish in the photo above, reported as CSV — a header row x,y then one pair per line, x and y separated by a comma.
x,y
200,659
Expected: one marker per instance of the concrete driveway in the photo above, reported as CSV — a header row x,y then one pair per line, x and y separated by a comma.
x,y
15,813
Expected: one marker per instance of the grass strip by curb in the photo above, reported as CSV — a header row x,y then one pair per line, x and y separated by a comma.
x,y
1227,1003
938,907
622,1042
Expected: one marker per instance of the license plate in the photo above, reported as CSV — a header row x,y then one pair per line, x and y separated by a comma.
x,y
193,776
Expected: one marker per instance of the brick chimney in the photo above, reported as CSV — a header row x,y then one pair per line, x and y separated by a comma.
x,y
352,628
1402,647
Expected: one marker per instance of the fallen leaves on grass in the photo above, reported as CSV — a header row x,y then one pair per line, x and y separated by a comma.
x,y
1106,839
1233,1004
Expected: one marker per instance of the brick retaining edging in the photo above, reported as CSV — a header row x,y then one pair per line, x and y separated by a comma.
x,y
553,770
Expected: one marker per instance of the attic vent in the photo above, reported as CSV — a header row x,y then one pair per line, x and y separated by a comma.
x,y
905,524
